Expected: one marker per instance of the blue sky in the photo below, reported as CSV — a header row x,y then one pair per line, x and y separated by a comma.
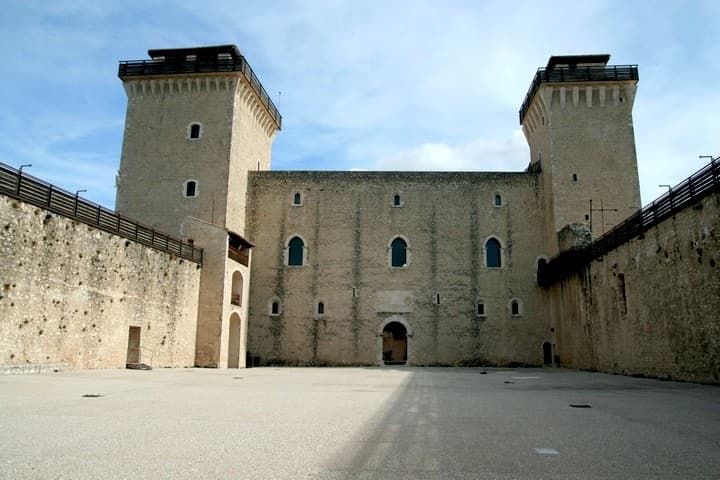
x,y
372,85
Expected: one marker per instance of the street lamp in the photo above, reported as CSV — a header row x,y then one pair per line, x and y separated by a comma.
x,y
20,177
77,194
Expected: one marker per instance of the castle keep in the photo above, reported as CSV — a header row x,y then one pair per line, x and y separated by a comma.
x,y
419,268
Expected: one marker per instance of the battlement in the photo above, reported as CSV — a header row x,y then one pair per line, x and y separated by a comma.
x,y
577,68
199,61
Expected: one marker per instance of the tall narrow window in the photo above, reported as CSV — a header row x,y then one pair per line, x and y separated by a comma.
x,y
295,252
492,253
297,199
320,308
480,309
191,188
194,131
515,308
275,308
399,253
498,200
396,200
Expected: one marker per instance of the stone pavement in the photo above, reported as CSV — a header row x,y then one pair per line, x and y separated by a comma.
x,y
358,423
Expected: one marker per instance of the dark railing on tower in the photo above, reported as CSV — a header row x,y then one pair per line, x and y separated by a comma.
x,y
593,73
32,190
201,63
700,184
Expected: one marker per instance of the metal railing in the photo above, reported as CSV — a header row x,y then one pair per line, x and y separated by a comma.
x,y
240,256
34,191
700,184
135,68
577,74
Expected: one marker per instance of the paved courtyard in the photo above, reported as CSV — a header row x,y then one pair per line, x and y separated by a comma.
x,y
359,423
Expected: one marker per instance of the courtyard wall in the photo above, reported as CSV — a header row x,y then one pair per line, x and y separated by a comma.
x,y
649,307
69,294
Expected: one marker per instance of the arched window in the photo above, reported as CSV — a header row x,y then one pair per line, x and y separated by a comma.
x,y
194,131
297,199
515,307
295,252
498,200
190,189
492,253
237,289
396,200
398,256
320,308
275,307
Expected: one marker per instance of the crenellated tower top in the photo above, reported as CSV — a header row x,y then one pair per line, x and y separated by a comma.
x,y
577,119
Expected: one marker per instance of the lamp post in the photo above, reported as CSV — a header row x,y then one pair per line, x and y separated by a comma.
x,y
28,165
77,194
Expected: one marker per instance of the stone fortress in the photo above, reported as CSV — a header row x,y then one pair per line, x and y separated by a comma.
x,y
365,268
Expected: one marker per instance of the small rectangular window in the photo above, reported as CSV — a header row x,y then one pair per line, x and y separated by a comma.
x,y
574,177
480,309
437,299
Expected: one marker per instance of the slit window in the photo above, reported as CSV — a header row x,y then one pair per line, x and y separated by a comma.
x,y
297,199
396,200
191,188
515,308
320,308
194,131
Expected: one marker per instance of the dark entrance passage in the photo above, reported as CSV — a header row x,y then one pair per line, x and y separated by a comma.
x,y
133,351
547,353
394,344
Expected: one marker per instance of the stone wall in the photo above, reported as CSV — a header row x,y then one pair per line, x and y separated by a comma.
x,y
69,294
347,221
649,307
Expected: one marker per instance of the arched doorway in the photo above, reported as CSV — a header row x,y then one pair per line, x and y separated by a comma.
x,y
394,344
234,342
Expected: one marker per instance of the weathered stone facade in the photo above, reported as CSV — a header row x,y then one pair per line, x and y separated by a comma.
x,y
71,295
348,220
370,268
649,307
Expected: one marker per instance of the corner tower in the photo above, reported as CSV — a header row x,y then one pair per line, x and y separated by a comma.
x,y
577,119
197,121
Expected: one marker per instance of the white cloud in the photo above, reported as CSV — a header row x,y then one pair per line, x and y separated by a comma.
x,y
481,154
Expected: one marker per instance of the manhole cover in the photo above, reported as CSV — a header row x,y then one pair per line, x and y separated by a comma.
x,y
580,405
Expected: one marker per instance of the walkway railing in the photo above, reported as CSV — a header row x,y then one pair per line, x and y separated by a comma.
x,y
137,68
32,190
700,184
604,73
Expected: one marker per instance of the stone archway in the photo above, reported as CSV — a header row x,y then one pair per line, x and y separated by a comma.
x,y
394,341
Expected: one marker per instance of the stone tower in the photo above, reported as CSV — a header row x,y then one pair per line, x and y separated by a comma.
x,y
197,121
577,119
